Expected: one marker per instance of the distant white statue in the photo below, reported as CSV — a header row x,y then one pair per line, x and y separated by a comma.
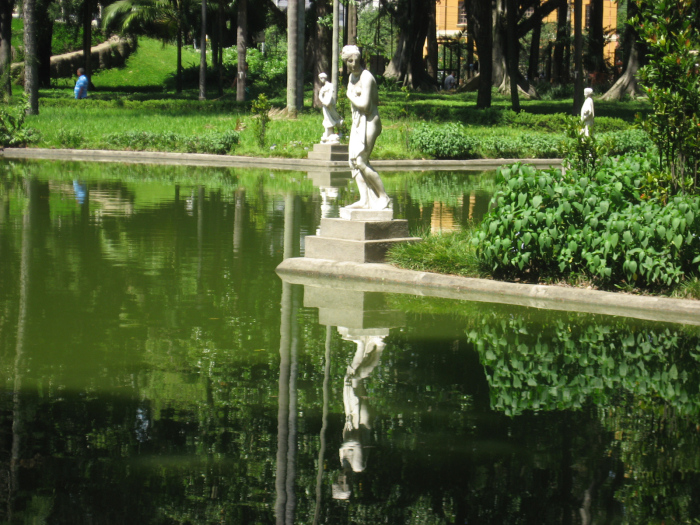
x,y
587,112
331,119
366,127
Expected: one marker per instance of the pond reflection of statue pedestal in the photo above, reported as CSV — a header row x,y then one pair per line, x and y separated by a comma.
x,y
352,309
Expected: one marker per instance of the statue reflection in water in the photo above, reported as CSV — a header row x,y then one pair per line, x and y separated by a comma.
x,y
358,413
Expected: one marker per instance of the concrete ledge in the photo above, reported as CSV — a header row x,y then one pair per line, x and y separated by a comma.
x,y
203,159
386,278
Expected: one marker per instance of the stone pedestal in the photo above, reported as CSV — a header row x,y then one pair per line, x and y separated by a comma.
x,y
328,152
363,237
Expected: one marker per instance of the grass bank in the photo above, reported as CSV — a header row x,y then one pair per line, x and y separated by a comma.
x,y
140,97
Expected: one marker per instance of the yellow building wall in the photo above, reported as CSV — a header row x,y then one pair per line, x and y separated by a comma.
x,y
447,20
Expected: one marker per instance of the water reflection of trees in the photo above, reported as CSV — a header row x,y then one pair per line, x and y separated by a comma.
x,y
153,403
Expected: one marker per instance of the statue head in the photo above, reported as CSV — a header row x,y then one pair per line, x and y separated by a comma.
x,y
588,92
322,77
351,56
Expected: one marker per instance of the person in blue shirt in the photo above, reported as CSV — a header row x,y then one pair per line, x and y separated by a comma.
x,y
81,86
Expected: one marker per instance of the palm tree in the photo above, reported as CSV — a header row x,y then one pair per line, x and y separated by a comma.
x,y
31,62
163,18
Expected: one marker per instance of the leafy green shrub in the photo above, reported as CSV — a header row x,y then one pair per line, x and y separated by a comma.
x,y
627,142
213,142
261,109
13,133
671,31
540,146
551,223
70,138
447,141
500,147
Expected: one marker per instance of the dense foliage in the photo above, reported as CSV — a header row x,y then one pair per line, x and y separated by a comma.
x,y
602,226
219,143
13,132
528,140
671,32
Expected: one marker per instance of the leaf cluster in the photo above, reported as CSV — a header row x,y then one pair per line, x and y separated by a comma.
x,y
13,132
603,226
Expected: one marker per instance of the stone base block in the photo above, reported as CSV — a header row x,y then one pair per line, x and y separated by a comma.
x,y
334,249
335,152
364,230
354,214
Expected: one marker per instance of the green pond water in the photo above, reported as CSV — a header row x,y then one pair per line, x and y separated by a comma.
x,y
156,370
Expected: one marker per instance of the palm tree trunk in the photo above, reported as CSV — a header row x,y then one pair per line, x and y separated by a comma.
x,y
6,46
292,54
432,62
203,55
220,51
241,48
578,57
533,66
558,66
511,14
301,47
178,75
87,39
31,70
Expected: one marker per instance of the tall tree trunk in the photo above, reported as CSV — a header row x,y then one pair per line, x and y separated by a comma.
x,y
558,66
31,70
87,39
322,49
432,63
301,48
43,44
178,74
220,52
499,77
578,57
292,55
203,55
627,83
352,23
407,64
533,66
480,20
513,55
6,46
242,48
596,39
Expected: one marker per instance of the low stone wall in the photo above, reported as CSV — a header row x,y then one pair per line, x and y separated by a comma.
x,y
112,53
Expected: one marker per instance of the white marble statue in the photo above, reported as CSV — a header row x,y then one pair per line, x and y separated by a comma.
x,y
331,119
587,112
366,127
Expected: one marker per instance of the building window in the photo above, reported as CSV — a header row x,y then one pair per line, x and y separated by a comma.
x,y
462,14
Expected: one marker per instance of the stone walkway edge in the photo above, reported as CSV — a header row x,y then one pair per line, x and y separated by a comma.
x,y
203,159
387,278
